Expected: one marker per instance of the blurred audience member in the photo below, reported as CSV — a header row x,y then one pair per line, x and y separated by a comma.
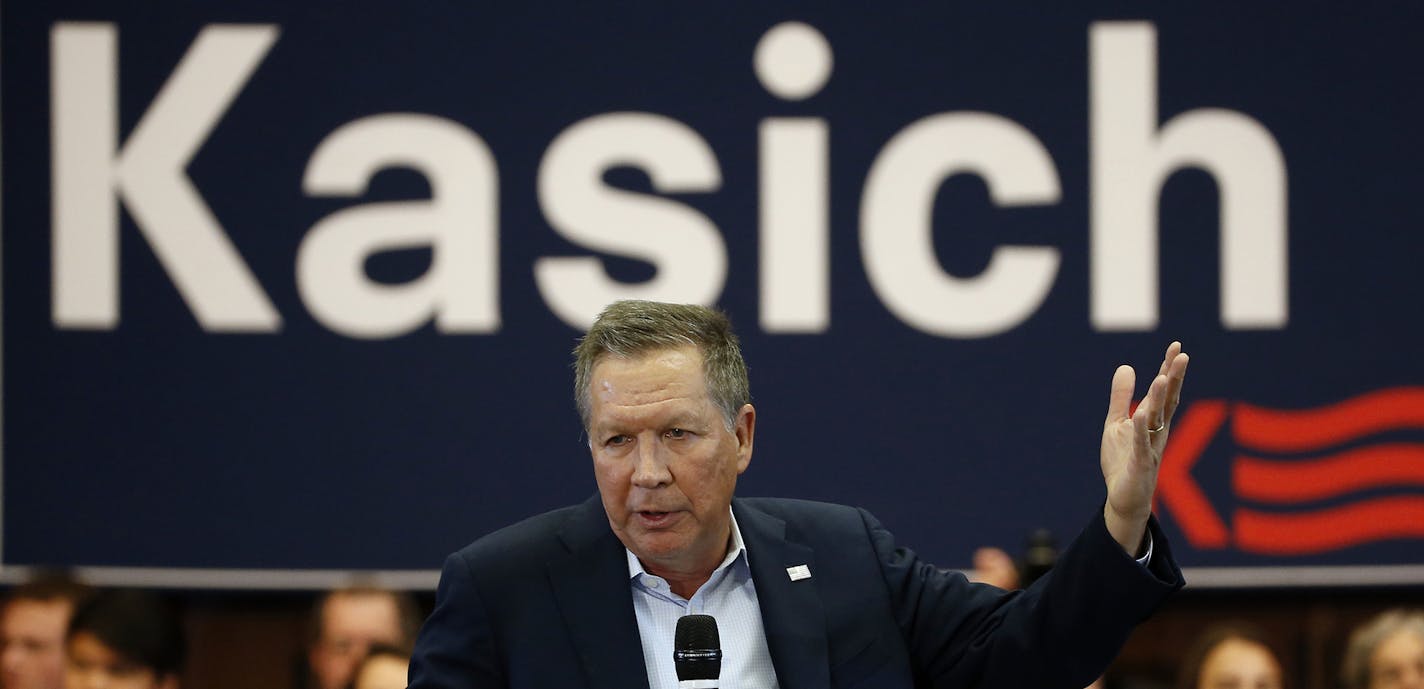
x,y
33,622
1234,655
1387,652
994,566
385,667
124,639
348,622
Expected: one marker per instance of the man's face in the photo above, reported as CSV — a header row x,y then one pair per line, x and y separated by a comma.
x,y
350,623
94,665
665,462
1398,662
32,643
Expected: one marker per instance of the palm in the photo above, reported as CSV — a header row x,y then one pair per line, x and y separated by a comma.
x,y
1133,441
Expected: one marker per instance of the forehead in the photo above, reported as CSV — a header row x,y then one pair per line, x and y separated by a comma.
x,y
346,610
676,368
1234,653
659,386
30,613
1402,643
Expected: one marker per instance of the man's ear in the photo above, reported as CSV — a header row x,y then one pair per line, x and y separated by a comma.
x,y
745,430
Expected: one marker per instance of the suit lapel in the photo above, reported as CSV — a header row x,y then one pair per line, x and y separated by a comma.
x,y
791,611
601,624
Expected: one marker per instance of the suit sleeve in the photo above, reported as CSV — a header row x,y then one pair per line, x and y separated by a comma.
x,y
457,648
1061,632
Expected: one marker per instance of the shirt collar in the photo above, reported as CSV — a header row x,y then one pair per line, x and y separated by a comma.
x,y
734,549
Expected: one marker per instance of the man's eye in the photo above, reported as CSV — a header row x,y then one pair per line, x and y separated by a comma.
x,y
676,433
617,440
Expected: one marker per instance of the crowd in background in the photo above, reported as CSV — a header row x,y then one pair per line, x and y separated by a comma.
x,y
56,633
1386,652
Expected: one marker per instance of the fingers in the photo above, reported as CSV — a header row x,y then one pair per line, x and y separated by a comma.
x,y
1172,351
1120,399
1142,423
1176,374
1153,406
1160,403
1174,367
1150,420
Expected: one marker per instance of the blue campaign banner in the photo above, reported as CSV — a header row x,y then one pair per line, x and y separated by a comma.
x,y
292,286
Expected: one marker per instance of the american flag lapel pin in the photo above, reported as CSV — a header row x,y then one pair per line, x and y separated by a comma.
x,y
798,572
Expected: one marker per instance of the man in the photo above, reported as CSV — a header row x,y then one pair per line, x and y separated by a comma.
x,y
1387,652
124,639
32,627
806,595
346,622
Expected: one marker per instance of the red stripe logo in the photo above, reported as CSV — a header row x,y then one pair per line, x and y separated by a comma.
x,y
1373,487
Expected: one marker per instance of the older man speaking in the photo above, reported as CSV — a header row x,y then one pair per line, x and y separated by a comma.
x,y
807,595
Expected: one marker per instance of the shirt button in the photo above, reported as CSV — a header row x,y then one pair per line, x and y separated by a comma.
x,y
651,582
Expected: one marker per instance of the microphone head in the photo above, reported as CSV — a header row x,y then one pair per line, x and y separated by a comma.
x,y
697,651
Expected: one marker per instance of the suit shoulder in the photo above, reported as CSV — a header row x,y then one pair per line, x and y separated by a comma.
x,y
796,506
810,513
535,537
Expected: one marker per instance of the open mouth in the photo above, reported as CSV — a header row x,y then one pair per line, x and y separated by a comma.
x,y
654,518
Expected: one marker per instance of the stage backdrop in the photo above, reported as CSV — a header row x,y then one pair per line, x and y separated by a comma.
x,y
292,286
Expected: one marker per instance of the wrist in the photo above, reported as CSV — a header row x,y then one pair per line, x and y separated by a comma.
x,y
1129,532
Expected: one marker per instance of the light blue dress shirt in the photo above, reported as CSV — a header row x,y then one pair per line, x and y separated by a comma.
x,y
730,596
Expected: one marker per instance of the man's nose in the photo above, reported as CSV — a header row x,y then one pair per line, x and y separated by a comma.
x,y
651,470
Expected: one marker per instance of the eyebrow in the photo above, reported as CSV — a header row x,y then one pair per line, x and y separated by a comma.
x,y
682,419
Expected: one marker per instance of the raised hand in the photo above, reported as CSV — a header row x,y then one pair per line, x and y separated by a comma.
x,y
1132,445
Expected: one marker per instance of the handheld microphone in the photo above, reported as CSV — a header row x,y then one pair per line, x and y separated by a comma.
x,y
697,652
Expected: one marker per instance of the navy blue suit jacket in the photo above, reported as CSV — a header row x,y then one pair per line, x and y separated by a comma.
x,y
547,603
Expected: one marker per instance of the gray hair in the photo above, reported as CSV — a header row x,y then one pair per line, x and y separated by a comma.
x,y
1365,639
632,328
